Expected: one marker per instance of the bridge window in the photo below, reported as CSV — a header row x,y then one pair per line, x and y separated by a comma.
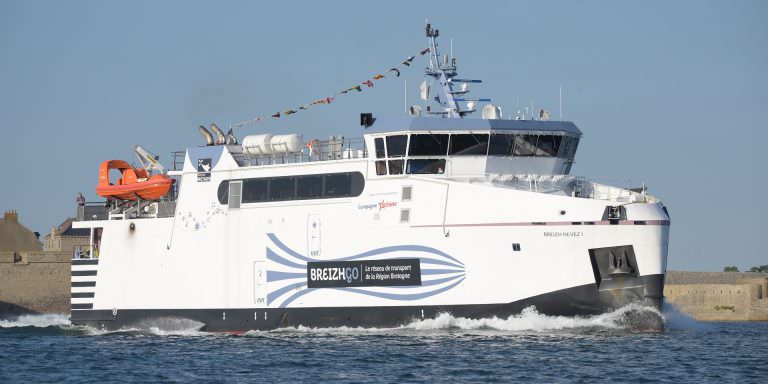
x,y
396,145
525,145
501,145
568,147
396,167
426,166
548,145
379,143
381,167
428,145
468,145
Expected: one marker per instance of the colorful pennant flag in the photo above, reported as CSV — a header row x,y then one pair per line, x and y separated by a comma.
x,y
328,100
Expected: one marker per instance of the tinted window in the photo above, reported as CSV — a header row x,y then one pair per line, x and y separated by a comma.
x,y
254,190
223,192
525,145
546,146
501,145
396,167
426,166
574,146
428,145
337,185
348,184
381,168
309,187
379,142
396,145
568,146
468,144
281,188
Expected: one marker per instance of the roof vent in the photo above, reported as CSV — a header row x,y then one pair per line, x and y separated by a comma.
x,y
491,112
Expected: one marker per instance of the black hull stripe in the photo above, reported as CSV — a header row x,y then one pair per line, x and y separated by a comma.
x,y
85,262
80,295
83,284
581,300
83,273
81,306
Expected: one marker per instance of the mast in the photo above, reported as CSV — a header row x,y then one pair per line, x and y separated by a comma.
x,y
444,72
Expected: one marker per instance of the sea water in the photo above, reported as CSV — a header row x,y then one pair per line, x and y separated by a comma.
x,y
530,347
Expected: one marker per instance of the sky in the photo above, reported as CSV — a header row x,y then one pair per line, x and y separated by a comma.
x,y
669,93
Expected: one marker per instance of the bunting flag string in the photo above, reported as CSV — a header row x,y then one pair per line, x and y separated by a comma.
x,y
327,100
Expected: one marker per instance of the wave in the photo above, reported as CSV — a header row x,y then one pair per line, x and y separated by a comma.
x,y
162,326
632,318
36,321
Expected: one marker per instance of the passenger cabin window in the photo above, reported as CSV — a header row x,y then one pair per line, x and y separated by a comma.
x,y
282,188
254,190
428,145
303,187
468,145
309,187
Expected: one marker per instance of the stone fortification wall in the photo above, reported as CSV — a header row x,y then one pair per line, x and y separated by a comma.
x,y
719,296
682,277
34,282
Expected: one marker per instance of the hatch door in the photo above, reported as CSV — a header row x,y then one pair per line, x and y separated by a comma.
x,y
314,240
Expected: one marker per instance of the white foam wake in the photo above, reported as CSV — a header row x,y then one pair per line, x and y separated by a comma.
x,y
162,326
37,321
632,317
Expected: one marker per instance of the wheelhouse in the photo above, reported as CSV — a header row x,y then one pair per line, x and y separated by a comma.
x,y
467,147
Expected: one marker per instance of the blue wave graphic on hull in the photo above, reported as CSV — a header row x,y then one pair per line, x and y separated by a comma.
x,y
432,266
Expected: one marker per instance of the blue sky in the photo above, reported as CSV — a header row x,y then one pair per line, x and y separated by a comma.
x,y
670,93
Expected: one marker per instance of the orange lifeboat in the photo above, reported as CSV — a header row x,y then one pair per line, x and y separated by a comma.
x,y
134,182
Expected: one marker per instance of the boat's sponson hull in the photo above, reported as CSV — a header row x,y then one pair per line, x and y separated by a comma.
x,y
581,300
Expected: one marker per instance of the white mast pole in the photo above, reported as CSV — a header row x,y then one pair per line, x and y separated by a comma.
x,y
561,103
405,96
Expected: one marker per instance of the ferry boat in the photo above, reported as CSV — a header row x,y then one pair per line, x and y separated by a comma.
x,y
430,213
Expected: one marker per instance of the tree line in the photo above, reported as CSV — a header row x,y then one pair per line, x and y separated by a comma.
x,y
733,268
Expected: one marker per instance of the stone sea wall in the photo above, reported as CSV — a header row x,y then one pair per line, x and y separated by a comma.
x,y
34,282
719,296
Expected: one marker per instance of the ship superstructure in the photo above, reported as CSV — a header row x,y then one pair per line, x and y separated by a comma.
x,y
425,214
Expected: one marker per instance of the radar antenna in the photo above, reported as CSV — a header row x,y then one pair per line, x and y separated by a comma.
x,y
444,73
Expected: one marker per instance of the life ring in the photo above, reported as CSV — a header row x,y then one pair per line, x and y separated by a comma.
x,y
311,145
